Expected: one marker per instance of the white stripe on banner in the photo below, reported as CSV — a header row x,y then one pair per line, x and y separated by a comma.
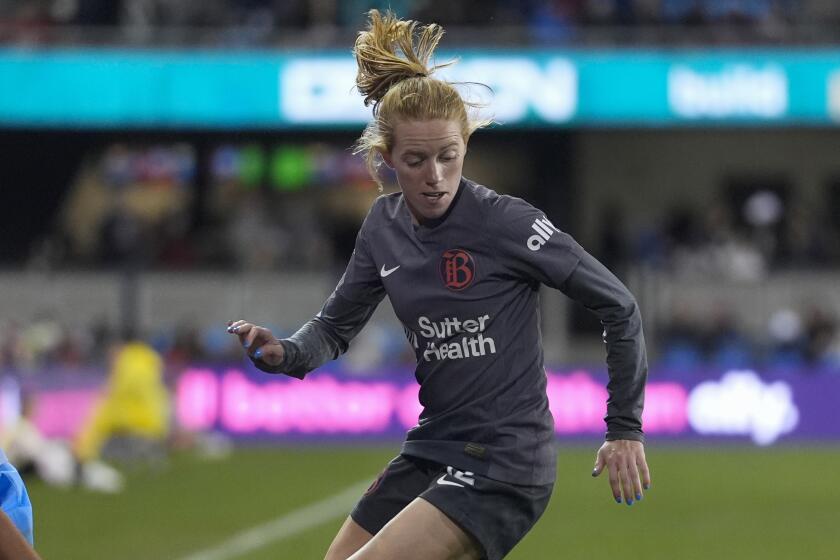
x,y
285,526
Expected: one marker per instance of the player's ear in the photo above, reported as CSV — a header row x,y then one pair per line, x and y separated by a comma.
x,y
386,157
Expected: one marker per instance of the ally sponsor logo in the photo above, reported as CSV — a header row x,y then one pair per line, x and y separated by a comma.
x,y
741,403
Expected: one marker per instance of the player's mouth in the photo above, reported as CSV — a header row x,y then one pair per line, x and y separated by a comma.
x,y
432,196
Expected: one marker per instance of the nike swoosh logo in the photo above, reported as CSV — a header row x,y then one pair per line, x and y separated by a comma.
x,y
383,273
442,480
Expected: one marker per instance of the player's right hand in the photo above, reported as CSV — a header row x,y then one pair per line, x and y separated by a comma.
x,y
259,342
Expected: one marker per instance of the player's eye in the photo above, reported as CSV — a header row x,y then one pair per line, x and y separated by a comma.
x,y
414,162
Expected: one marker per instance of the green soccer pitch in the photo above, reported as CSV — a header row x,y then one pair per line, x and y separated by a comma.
x,y
705,503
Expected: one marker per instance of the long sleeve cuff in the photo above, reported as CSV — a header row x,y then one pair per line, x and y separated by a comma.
x,y
290,353
635,435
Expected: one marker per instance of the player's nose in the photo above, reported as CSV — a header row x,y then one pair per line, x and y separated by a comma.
x,y
434,174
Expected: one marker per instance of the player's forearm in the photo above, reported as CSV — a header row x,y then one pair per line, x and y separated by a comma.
x,y
310,347
627,365
12,544
594,286
321,339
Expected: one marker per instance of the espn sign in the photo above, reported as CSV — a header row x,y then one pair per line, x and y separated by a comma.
x,y
319,90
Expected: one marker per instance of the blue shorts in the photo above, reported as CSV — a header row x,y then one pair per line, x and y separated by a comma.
x,y
14,500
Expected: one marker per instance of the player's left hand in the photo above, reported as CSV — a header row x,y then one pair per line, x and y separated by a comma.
x,y
625,460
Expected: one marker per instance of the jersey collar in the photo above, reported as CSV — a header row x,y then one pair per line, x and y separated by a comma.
x,y
433,223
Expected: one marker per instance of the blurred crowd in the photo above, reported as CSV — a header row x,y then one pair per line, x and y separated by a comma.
x,y
793,338
267,21
46,343
741,239
299,205
258,207
807,336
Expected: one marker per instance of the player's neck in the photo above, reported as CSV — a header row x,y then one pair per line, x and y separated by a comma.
x,y
418,219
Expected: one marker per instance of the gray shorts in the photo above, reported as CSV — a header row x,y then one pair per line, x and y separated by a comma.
x,y
496,514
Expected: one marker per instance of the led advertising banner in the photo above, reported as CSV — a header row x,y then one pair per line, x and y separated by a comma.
x,y
543,88
742,406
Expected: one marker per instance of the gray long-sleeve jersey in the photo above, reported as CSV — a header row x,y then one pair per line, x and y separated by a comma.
x,y
465,287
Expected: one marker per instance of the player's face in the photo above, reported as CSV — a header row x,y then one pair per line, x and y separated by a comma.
x,y
428,157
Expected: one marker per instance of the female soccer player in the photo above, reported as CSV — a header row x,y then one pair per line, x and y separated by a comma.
x,y
462,267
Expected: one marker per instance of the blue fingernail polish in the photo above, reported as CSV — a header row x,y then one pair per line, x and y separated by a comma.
x,y
638,497
647,486
230,329
258,353
629,502
618,500
246,344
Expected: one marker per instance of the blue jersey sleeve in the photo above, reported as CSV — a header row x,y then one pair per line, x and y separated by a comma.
x,y
14,499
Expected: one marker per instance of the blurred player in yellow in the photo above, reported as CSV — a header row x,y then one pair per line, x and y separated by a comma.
x,y
135,405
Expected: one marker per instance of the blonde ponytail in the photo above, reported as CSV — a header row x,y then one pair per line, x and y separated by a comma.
x,y
394,75
378,52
